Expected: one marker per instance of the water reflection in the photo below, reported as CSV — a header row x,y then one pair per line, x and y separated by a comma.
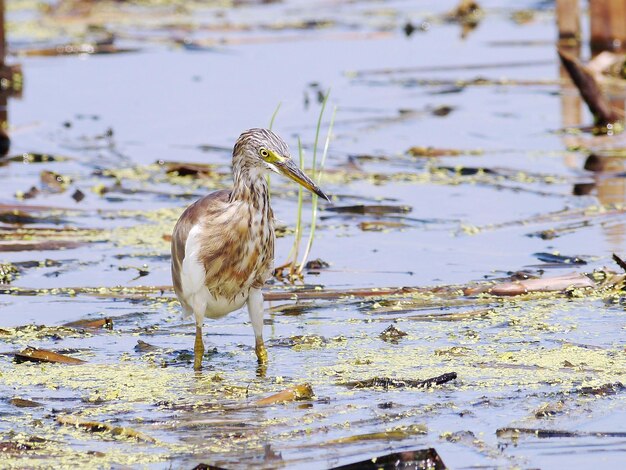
x,y
10,85
608,171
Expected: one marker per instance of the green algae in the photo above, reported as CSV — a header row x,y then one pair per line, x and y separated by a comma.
x,y
483,362
511,356
8,272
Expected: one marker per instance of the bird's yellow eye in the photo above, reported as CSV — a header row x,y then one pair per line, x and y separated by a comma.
x,y
270,156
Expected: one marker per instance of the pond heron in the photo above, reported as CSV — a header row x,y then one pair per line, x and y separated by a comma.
x,y
223,244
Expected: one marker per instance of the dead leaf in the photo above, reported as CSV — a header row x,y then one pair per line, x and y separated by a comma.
x,y
296,393
42,355
22,403
390,435
95,426
99,323
552,284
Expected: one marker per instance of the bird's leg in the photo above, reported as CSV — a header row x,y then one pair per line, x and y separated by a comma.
x,y
261,352
255,310
198,349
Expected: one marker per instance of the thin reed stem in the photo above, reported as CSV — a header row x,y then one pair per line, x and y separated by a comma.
x,y
315,199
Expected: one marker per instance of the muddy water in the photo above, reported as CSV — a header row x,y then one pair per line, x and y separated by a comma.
x,y
534,362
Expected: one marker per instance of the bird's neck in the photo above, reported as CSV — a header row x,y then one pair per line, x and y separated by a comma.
x,y
250,185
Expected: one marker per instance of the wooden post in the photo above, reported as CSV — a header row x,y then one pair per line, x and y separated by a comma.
x,y
608,25
568,21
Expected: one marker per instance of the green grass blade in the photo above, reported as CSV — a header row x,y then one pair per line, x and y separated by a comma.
x,y
274,115
315,199
298,235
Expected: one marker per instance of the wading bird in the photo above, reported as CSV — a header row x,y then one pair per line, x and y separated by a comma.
x,y
223,244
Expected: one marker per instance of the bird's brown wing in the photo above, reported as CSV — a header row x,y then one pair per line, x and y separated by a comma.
x,y
213,202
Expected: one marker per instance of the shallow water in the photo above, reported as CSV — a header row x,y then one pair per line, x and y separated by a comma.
x,y
166,103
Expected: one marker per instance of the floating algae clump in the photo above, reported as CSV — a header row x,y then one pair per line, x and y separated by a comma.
x,y
7,273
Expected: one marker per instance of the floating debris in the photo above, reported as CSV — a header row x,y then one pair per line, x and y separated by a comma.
x,y
387,383
465,170
451,316
54,182
22,215
18,218
407,459
604,390
468,14
514,433
391,334
76,49
22,403
196,170
440,152
34,158
399,433
92,324
40,246
316,264
370,209
143,347
30,194
296,393
548,410
78,195
467,11
551,233
20,446
42,355
294,309
551,284
442,111
559,259
381,225
301,342
95,426
8,272
141,271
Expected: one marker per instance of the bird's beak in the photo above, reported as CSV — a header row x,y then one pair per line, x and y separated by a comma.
x,y
291,171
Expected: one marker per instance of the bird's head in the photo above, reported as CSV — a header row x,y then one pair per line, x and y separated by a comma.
x,y
262,148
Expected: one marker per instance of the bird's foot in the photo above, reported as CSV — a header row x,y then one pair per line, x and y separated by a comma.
x,y
261,353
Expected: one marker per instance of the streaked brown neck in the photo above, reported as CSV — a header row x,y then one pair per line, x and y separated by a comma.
x,y
250,186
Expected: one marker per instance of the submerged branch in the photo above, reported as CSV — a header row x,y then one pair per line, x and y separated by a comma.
x,y
590,91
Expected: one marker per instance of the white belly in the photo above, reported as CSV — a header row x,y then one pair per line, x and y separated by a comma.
x,y
204,304
194,291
